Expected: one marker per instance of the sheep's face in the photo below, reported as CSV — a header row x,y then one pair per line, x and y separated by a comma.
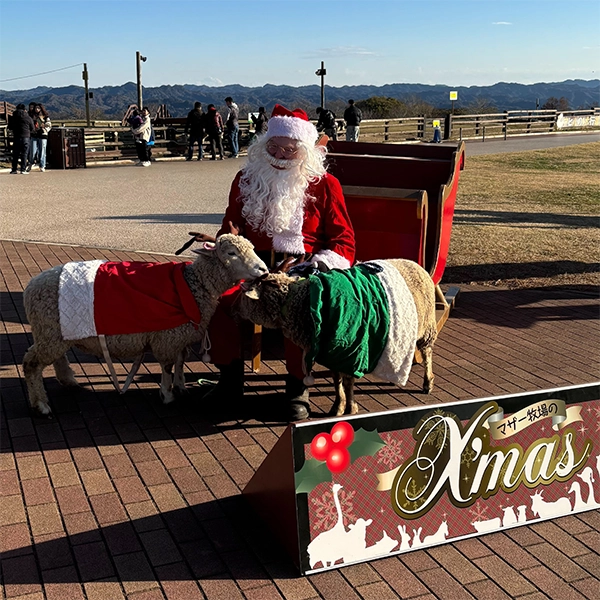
x,y
263,301
237,255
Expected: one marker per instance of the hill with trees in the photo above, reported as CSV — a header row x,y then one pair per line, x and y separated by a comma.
x,y
392,100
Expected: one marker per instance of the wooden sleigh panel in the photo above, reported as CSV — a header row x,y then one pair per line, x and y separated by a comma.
x,y
388,222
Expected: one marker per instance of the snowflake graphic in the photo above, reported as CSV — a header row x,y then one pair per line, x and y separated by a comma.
x,y
414,492
326,515
437,434
479,512
466,458
598,425
391,454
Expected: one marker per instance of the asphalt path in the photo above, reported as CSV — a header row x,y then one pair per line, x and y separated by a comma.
x,y
152,209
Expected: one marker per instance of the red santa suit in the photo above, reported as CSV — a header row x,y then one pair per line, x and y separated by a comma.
x,y
325,232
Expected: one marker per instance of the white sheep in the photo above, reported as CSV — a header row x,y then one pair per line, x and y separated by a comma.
x,y
283,302
218,267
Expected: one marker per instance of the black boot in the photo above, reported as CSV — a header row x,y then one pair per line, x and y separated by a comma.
x,y
230,387
296,393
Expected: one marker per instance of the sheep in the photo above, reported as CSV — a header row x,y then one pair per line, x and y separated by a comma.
x,y
279,301
218,267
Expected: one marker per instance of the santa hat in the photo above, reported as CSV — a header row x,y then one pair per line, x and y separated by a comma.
x,y
292,124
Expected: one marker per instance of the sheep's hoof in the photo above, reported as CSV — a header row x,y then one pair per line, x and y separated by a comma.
x,y
181,392
428,387
43,409
167,398
69,383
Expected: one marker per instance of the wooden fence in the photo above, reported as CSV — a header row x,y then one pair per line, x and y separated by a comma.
x,y
109,140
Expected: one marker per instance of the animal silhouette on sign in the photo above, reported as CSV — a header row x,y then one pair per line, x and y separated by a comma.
x,y
522,516
509,518
488,525
337,543
587,476
544,509
439,536
416,541
579,503
384,546
404,538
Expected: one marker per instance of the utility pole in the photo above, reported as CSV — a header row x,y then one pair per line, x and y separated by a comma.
x,y
138,61
321,73
87,93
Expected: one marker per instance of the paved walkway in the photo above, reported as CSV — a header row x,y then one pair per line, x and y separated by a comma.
x,y
119,496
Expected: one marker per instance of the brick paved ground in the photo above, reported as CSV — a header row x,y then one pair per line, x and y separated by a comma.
x,y
119,496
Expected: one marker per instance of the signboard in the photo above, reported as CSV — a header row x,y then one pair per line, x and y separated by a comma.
x,y
580,122
342,491
453,95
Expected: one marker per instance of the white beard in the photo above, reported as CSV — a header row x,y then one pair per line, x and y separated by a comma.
x,y
274,198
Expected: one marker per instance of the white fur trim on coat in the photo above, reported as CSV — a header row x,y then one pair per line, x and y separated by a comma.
x,y
332,259
76,299
292,127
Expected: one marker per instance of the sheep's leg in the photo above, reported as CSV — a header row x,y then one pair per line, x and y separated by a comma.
x,y
427,353
348,385
34,363
179,379
64,373
166,383
339,406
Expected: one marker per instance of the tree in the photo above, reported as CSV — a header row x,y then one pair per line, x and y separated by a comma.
x,y
381,108
481,106
560,104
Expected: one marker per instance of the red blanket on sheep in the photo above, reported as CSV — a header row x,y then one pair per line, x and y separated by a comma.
x,y
136,297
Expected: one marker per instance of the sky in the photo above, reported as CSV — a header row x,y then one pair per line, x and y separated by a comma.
x,y
282,42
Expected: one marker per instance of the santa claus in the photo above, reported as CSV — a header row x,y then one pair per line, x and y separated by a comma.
x,y
284,201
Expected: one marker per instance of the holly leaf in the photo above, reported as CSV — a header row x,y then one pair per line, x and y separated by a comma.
x,y
366,443
310,475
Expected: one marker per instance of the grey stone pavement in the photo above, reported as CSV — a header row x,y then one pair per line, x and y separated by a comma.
x,y
152,209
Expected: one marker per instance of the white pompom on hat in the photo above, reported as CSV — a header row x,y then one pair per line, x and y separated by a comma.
x,y
293,124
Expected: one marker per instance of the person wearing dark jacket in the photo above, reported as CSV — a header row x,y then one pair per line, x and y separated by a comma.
x,y
353,117
37,150
214,130
21,124
194,126
327,123
260,121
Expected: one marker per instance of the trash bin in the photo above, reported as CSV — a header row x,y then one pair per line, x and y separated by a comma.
x,y
66,148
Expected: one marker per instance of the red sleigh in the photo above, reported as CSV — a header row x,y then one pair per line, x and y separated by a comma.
x,y
401,201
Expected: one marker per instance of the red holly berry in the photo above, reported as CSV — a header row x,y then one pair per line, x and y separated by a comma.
x,y
342,434
321,446
338,460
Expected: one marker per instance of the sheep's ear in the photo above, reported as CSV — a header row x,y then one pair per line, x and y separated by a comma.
x,y
254,292
207,249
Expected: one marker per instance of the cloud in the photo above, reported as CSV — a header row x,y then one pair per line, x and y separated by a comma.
x,y
339,51
501,23
211,81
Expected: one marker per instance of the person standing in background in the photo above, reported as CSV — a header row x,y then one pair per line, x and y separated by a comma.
x,y
142,136
260,121
39,140
195,126
21,124
353,117
326,123
232,126
214,129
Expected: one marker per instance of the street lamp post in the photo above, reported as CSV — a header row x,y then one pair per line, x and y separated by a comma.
x,y
138,60
84,75
321,73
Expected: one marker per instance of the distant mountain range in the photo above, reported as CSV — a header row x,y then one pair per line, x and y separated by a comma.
x,y
112,101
